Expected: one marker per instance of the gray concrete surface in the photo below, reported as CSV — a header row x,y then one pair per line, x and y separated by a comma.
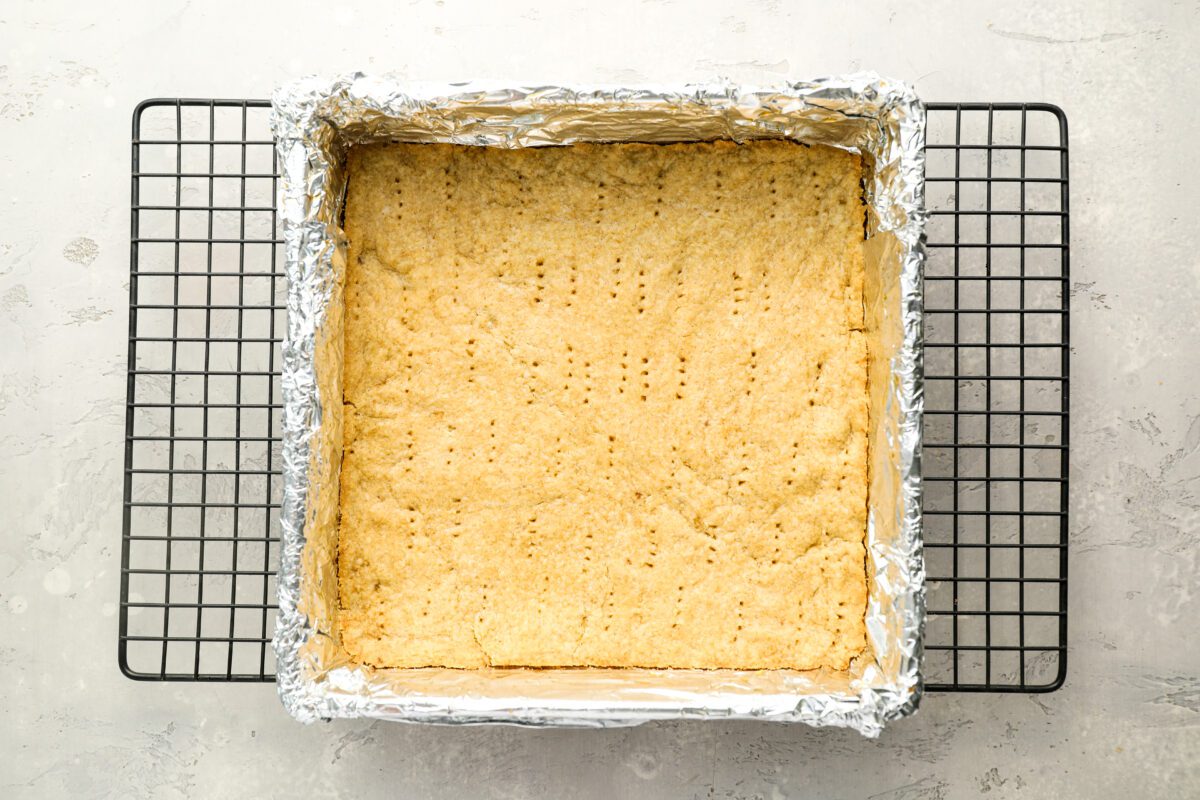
x,y
1127,723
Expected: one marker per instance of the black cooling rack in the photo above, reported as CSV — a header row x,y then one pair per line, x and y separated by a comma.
x,y
206,314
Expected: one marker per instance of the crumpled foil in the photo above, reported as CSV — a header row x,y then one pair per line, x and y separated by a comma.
x,y
315,120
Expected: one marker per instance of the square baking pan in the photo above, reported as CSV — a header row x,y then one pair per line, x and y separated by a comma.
x,y
316,120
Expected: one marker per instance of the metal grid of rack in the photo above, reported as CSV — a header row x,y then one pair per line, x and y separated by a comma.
x,y
206,315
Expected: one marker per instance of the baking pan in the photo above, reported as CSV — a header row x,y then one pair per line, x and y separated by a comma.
x,y
316,120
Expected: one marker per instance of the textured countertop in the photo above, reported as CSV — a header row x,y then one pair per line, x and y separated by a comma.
x,y
1127,722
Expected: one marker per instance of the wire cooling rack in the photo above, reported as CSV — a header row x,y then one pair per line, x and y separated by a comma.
x,y
206,314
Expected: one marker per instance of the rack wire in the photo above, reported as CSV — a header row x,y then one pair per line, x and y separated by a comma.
x,y
206,315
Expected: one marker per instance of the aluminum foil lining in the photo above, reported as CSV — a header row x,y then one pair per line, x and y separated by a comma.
x,y
314,120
